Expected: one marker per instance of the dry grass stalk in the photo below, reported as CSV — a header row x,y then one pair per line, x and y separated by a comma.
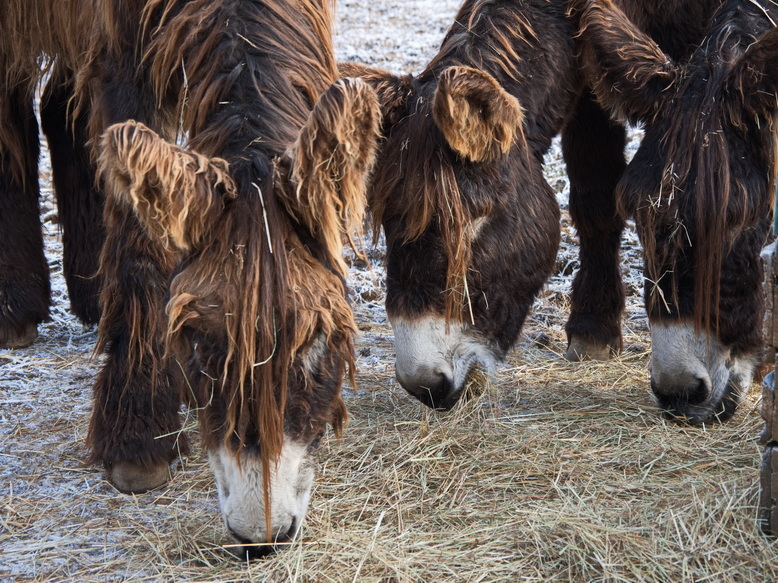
x,y
555,472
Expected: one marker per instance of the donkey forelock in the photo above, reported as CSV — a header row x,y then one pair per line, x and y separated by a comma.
x,y
428,173
706,200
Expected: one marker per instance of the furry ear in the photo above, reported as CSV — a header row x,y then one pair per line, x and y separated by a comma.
x,y
173,191
478,118
630,73
329,164
392,90
754,76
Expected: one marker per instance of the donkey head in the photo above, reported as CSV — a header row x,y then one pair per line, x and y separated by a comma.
x,y
471,226
257,314
700,188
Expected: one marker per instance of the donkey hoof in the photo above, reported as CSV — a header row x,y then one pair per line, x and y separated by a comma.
x,y
18,338
580,349
132,478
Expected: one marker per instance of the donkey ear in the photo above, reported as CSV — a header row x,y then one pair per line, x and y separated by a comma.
x,y
755,75
478,118
631,73
172,191
392,90
330,161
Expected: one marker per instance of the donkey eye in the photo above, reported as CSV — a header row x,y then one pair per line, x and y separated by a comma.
x,y
316,442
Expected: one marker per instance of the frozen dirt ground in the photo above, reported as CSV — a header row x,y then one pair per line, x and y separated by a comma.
x,y
60,521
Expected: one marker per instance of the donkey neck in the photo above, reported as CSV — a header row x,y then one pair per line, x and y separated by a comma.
x,y
244,74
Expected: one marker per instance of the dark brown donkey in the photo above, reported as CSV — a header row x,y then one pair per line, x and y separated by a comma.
x,y
700,187
472,227
444,207
221,259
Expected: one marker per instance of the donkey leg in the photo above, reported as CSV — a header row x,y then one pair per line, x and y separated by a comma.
x,y
24,273
135,428
80,204
593,148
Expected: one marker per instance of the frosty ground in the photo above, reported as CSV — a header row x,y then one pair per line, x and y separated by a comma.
x,y
560,472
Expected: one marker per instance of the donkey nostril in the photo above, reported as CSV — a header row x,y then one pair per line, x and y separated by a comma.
x,y
681,401
289,535
698,394
434,384
241,539
432,387
256,551
250,549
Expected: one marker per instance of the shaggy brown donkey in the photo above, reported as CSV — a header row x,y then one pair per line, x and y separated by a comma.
x,y
593,146
223,259
472,227
700,188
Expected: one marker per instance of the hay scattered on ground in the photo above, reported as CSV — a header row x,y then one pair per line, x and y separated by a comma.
x,y
560,472
556,472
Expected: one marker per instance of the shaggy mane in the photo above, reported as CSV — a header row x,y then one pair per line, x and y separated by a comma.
x,y
239,79
484,36
718,209
202,50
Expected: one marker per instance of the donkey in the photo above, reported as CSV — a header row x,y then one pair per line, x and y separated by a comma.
x,y
222,270
472,227
701,190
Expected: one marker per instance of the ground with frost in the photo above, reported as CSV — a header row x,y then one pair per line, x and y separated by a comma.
x,y
507,490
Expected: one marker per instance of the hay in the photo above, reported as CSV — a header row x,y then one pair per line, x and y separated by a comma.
x,y
476,385
554,472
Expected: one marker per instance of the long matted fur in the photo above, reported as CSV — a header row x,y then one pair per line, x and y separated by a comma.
x,y
238,80
719,214
293,174
485,38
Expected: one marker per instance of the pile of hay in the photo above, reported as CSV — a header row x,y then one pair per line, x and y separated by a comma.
x,y
552,472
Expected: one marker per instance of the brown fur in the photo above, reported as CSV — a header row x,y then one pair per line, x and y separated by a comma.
x,y
476,77
47,26
184,43
481,122
247,219
330,156
648,79
260,231
472,227
460,89
180,55
137,162
488,131
649,64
